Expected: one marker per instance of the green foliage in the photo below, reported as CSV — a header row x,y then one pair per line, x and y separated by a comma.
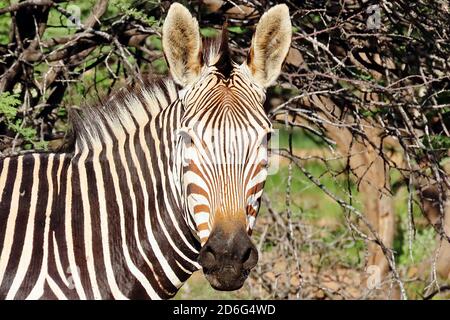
x,y
8,111
62,112
316,18
209,32
238,30
363,75
8,105
375,112
155,42
423,242
160,66
59,25
127,8
437,142
314,203
301,139
5,21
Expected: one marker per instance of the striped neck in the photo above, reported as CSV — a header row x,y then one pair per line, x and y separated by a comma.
x,y
124,156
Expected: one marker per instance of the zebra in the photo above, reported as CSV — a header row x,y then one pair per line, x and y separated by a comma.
x,y
162,181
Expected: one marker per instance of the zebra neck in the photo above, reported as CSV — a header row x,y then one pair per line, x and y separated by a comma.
x,y
134,201
104,222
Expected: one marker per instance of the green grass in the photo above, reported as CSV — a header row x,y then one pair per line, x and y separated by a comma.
x,y
301,139
198,288
5,21
424,240
305,195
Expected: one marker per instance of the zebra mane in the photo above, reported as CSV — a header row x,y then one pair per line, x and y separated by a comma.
x,y
217,52
133,107
121,114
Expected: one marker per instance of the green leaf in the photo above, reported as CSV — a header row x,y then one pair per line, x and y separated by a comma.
x,y
41,145
155,42
160,66
209,32
8,105
238,30
437,142
62,112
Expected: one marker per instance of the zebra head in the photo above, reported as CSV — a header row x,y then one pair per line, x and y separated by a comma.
x,y
222,142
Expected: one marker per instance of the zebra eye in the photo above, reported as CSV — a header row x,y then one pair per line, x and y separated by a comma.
x,y
265,142
266,138
185,137
264,163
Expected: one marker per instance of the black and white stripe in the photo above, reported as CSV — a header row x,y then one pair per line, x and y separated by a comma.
x,y
225,131
103,222
113,219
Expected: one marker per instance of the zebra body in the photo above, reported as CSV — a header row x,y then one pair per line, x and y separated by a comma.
x,y
86,239
162,182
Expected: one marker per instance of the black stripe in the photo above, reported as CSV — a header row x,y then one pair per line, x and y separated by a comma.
x,y
5,204
57,227
97,247
77,225
21,221
36,261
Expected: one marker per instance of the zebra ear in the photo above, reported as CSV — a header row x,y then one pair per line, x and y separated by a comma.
x,y
182,44
270,45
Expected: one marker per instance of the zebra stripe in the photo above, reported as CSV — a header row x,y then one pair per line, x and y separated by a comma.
x,y
65,200
112,212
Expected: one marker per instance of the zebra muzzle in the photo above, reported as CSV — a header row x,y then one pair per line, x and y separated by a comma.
x,y
227,258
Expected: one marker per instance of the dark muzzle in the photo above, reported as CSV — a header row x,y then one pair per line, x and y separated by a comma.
x,y
227,258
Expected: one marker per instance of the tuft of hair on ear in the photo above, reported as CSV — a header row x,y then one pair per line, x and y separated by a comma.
x,y
224,63
270,45
182,44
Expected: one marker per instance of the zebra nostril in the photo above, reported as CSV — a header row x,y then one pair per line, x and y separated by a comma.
x,y
207,258
246,255
250,258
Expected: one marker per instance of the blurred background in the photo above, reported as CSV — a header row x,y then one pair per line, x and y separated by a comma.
x,y
357,207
